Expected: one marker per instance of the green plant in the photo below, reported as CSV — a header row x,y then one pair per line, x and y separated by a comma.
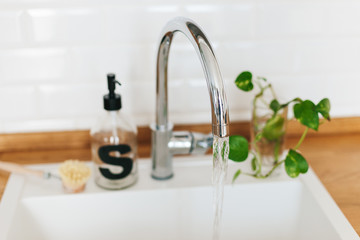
x,y
305,111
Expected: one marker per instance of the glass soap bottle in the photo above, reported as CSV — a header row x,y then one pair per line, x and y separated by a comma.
x,y
114,144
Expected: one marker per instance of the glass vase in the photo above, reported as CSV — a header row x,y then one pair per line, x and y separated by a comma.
x,y
267,132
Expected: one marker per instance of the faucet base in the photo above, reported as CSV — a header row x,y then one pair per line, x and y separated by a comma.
x,y
162,178
160,152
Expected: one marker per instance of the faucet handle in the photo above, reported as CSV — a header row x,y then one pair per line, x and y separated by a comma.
x,y
185,142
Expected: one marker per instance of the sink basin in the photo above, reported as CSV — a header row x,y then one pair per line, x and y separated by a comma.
x,y
179,208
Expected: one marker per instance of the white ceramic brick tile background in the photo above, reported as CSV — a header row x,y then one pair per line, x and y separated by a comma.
x,y
54,57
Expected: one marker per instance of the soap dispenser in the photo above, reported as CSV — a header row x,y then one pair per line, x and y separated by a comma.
x,y
114,144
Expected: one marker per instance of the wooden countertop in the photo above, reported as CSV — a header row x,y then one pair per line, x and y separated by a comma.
x,y
334,157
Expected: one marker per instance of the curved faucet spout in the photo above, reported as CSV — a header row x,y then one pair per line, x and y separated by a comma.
x,y
219,107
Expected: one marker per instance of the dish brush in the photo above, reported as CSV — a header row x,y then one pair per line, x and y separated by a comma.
x,y
73,173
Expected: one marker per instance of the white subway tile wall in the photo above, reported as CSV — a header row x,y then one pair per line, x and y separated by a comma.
x,y
10,26
54,57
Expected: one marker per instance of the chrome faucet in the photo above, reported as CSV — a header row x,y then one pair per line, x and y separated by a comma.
x,y
165,143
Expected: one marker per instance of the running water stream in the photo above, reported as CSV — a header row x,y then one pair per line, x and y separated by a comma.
x,y
220,165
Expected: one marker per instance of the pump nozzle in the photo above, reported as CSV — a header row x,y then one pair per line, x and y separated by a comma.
x,y
111,83
112,101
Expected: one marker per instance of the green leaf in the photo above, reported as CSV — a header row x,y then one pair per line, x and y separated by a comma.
x,y
303,165
274,128
244,81
239,148
236,175
306,114
291,167
254,164
295,164
275,105
323,107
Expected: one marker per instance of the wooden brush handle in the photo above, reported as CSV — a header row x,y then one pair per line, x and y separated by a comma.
x,y
17,168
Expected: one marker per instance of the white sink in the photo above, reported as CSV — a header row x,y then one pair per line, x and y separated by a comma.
x,y
180,208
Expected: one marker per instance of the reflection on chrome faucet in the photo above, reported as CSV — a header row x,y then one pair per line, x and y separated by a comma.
x,y
165,143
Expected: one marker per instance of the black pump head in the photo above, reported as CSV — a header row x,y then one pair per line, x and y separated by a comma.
x,y
112,101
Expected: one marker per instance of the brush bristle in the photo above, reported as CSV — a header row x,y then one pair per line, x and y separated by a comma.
x,y
74,175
